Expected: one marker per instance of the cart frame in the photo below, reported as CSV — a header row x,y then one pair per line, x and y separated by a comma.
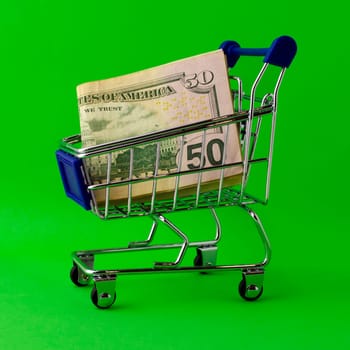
x,y
77,185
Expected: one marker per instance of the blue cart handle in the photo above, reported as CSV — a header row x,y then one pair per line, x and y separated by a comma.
x,y
280,53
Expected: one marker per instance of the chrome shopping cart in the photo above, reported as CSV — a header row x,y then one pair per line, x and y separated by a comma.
x,y
254,118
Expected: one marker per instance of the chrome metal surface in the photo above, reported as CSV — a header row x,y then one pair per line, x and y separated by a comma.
x,y
177,178
149,239
71,144
183,246
105,288
208,246
262,233
253,283
83,278
247,135
273,128
154,187
250,123
108,180
130,178
208,255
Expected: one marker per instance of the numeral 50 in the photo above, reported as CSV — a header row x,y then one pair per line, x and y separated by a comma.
x,y
214,153
203,78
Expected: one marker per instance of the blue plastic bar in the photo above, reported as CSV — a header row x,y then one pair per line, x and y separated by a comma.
x,y
73,180
281,52
252,52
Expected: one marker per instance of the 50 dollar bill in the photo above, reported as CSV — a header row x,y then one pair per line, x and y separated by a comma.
x,y
178,93
171,95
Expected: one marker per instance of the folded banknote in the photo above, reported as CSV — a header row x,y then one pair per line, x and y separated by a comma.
x,y
179,93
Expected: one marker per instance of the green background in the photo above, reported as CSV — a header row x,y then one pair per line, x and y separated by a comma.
x,y
47,48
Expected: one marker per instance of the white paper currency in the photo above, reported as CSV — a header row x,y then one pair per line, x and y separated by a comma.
x,y
167,96
171,95
220,148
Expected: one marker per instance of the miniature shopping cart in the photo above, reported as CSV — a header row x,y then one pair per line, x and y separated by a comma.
x,y
254,118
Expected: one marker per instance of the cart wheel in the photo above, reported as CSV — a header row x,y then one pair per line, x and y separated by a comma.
x,y
252,293
107,299
80,281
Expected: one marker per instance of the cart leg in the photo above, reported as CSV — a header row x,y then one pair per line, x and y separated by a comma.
x,y
262,233
77,275
149,239
183,248
207,252
251,286
103,294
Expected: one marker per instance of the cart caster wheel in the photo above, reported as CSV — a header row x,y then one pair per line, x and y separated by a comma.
x,y
251,292
102,300
78,278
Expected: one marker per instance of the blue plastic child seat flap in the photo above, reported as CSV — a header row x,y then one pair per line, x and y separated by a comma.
x,y
73,179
